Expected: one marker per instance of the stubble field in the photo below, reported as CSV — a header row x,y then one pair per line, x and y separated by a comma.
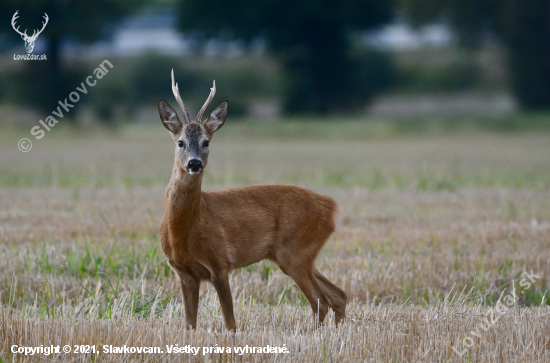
x,y
442,244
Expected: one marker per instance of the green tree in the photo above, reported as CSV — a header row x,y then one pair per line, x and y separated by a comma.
x,y
312,38
43,83
523,27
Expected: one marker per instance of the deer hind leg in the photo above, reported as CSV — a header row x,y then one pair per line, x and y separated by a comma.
x,y
303,276
337,297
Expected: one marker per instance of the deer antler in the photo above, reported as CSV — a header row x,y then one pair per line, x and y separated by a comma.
x,y
207,103
43,26
15,16
180,101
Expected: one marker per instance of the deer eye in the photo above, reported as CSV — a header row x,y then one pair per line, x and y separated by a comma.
x,y
180,143
206,143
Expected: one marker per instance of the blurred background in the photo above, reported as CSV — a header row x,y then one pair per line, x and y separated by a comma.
x,y
404,93
273,59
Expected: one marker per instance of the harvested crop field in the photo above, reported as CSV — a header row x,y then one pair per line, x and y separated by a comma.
x,y
442,244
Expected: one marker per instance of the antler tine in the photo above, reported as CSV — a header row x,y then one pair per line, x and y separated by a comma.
x,y
44,23
207,103
13,19
180,101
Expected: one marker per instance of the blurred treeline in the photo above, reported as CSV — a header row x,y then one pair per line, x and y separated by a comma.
x,y
315,58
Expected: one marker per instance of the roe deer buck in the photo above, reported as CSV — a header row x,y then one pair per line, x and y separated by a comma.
x,y
205,235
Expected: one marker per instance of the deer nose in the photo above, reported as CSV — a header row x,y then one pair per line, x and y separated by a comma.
x,y
194,165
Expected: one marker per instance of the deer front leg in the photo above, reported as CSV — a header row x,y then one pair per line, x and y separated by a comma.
x,y
190,288
221,284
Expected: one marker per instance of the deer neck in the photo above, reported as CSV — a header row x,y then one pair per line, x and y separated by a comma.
x,y
183,202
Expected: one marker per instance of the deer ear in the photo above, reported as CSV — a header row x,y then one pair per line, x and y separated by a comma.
x,y
217,118
169,117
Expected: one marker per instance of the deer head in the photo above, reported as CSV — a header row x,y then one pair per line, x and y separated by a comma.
x,y
192,138
29,41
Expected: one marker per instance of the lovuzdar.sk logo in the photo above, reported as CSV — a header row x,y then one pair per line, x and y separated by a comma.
x,y
29,40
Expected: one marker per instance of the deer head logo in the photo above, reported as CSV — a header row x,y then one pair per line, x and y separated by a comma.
x,y
29,41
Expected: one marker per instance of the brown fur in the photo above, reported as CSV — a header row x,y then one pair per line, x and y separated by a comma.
x,y
205,235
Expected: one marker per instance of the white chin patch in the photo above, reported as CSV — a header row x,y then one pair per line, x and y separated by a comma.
x,y
193,172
